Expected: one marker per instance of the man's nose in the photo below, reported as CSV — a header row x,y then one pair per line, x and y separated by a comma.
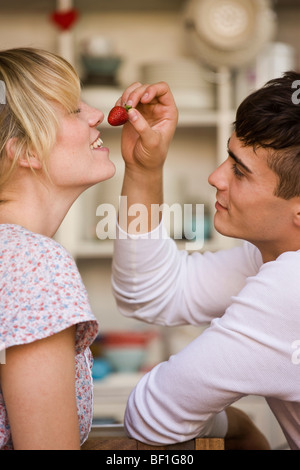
x,y
219,177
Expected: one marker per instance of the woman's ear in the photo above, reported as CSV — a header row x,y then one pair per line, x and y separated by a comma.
x,y
26,161
30,161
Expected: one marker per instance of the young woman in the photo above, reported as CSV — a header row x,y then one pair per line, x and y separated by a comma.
x,y
50,152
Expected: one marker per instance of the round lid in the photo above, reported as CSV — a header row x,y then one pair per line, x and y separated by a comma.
x,y
225,24
228,32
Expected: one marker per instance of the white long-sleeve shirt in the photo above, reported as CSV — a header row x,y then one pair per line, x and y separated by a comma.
x,y
252,346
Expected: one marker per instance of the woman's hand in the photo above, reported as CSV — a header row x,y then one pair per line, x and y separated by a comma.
x,y
152,123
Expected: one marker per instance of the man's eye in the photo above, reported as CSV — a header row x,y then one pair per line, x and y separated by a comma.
x,y
236,171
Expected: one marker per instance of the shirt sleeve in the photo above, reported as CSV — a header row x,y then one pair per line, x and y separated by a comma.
x,y
157,283
246,352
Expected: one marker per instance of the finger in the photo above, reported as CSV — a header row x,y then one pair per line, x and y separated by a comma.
x,y
158,91
146,93
141,125
124,98
135,95
127,95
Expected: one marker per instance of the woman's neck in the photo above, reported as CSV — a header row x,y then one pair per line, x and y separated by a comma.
x,y
37,207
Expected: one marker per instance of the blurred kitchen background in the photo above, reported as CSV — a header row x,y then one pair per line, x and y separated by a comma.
x,y
212,53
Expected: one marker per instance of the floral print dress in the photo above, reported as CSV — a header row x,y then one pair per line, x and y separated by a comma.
x,y
41,293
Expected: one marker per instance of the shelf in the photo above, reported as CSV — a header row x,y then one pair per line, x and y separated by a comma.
x,y
111,395
202,117
97,249
114,5
93,5
104,99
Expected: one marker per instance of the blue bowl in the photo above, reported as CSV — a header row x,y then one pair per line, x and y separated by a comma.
x,y
101,368
127,359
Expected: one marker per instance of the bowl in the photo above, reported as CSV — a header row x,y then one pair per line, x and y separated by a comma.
x,y
126,351
101,65
101,368
127,359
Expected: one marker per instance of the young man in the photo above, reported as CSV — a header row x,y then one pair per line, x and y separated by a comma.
x,y
250,294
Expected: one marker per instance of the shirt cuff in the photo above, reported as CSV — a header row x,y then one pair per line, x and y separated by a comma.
x,y
158,233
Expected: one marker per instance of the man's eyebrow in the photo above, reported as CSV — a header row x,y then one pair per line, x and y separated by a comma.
x,y
237,160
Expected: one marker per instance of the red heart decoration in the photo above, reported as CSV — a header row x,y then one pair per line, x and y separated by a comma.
x,y
64,19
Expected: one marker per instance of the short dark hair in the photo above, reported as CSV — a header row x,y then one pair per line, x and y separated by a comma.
x,y
270,118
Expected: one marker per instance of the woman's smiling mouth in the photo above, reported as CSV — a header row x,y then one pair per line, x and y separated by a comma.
x,y
98,143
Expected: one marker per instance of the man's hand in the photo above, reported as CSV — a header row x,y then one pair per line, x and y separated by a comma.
x,y
153,120
242,433
145,143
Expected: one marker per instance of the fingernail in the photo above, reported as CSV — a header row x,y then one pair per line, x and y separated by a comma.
x,y
129,103
132,114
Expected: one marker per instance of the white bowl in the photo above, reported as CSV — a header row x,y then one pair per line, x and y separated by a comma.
x,y
127,359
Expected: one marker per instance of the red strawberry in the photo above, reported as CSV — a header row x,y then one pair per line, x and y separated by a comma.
x,y
118,115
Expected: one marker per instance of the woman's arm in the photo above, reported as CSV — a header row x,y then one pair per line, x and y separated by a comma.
x,y
38,384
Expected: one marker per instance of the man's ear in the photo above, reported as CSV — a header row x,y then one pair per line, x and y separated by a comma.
x,y
297,213
25,161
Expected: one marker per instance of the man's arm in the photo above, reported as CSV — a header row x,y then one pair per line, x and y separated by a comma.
x,y
145,143
245,352
155,282
38,384
170,280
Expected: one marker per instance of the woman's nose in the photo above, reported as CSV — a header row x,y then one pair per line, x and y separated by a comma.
x,y
95,117
218,177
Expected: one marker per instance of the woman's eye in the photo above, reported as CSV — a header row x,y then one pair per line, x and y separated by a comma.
x,y
236,171
77,111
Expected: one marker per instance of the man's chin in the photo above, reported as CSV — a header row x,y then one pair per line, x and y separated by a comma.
x,y
226,232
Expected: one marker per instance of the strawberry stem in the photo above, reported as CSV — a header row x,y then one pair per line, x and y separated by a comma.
x,y
127,107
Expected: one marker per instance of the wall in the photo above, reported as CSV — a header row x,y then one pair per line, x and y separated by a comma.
x,y
138,37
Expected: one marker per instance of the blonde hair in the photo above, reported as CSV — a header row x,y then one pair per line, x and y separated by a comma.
x,y
35,81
